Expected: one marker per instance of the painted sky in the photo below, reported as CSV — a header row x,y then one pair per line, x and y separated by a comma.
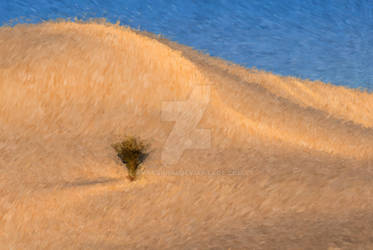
x,y
323,40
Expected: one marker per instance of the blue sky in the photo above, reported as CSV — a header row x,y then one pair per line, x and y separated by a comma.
x,y
320,40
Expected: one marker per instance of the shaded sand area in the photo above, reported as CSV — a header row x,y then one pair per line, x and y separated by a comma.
x,y
266,162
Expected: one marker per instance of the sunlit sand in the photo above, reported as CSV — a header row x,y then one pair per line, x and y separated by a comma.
x,y
272,162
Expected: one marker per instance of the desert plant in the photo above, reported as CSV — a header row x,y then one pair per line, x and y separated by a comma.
x,y
132,153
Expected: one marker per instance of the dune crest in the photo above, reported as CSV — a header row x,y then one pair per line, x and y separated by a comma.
x,y
301,151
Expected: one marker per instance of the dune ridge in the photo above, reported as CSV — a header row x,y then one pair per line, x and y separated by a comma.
x,y
288,164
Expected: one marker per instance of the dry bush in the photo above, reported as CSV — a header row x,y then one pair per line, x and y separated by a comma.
x,y
132,152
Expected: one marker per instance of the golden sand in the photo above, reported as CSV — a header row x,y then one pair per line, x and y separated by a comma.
x,y
266,162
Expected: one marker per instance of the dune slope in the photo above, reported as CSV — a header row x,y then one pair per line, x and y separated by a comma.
x,y
240,158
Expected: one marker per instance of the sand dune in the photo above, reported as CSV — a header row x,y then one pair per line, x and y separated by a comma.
x,y
241,158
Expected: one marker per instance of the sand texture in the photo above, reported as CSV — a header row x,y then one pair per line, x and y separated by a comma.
x,y
240,158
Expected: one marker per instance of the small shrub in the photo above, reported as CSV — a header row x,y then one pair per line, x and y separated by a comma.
x,y
132,152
